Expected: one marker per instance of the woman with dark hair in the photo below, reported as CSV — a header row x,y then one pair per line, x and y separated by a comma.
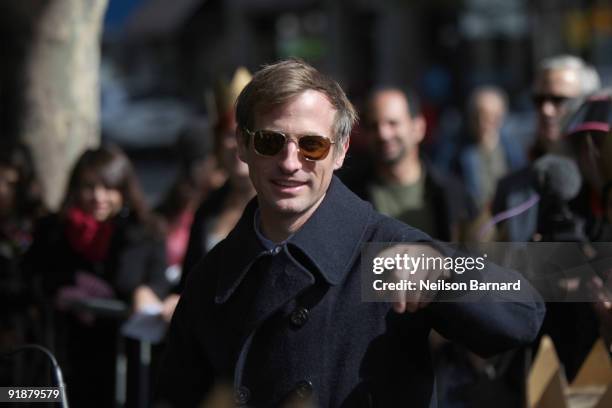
x,y
20,203
219,213
19,192
20,206
103,244
590,135
197,175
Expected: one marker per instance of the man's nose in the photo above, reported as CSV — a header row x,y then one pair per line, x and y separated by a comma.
x,y
548,109
383,131
289,160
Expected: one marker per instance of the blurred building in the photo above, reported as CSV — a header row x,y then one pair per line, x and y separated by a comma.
x,y
178,48
161,56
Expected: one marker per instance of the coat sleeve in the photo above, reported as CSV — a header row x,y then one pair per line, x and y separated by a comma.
x,y
491,322
140,262
156,269
49,261
186,374
486,322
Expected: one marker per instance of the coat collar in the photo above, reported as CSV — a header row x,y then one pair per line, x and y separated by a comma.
x,y
330,239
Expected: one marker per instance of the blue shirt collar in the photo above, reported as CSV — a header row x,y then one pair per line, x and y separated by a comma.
x,y
267,244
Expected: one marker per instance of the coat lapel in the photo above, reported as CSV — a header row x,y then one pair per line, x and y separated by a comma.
x,y
256,283
282,282
271,283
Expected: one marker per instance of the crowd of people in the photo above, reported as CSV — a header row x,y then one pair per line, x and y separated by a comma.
x,y
107,243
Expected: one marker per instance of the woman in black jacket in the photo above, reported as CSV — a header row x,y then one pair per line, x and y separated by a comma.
x,y
21,318
102,245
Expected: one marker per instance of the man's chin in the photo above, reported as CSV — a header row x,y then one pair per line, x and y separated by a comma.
x,y
391,156
549,131
389,160
288,207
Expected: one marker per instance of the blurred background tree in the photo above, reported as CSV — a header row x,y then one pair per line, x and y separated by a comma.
x,y
50,81
159,59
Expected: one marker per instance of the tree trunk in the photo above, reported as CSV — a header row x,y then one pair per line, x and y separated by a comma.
x,y
61,96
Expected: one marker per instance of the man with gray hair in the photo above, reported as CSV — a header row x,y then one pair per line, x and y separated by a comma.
x,y
561,84
276,308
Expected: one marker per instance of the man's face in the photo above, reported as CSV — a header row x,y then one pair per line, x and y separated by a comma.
x,y
391,131
552,92
489,111
287,185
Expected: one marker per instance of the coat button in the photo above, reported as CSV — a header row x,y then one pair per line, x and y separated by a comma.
x,y
299,316
277,249
242,395
303,389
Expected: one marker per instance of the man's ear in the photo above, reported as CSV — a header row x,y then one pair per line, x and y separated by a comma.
x,y
419,127
340,153
242,147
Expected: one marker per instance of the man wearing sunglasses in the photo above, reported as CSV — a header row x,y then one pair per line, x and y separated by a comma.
x,y
561,83
522,214
275,310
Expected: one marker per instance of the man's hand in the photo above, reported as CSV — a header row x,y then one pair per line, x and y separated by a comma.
x,y
603,306
169,305
144,297
416,265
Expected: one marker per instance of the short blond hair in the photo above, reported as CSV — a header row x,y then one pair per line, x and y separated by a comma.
x,y
277,83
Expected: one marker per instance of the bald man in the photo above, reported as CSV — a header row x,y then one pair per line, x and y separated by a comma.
x,y
399,182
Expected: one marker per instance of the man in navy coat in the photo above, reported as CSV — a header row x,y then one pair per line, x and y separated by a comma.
x,y
275,310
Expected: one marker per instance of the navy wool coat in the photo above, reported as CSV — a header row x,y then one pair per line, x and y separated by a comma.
x,y
289,322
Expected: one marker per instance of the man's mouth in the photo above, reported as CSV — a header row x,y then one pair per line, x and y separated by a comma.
x,y
288,186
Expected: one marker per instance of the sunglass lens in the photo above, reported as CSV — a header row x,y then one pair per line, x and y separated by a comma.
x,y
538,100
314,147
268,143
556,100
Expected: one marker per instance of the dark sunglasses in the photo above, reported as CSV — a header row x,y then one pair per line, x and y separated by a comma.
x,y
557,100
271,142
